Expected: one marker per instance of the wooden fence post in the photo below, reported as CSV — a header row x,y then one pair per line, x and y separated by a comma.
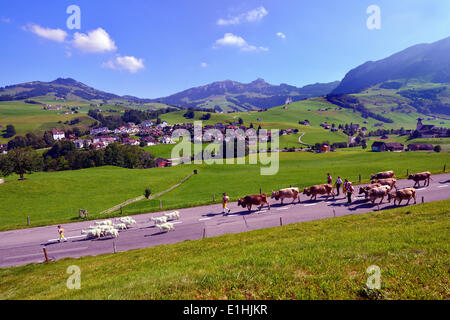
x,y
445,165
28,220
204,233
114,246
214,197
407,172
423,199
160,204
260,190
45,254
281,221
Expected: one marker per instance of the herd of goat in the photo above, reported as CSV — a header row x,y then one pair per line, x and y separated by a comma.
x,y
110,229
382,186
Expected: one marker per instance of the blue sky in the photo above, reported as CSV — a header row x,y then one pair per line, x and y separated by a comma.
x,y
151,49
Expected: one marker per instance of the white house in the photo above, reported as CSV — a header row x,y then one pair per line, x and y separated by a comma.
x,y
58,135
167,140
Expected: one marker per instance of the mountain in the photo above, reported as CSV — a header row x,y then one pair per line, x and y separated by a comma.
x,y
224,95
69,89
231,95
424,62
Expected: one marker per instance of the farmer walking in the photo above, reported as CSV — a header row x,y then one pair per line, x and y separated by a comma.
x,y
349,188
338,184
225,200
329,179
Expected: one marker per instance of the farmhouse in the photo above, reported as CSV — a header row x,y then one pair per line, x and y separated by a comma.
x,y
149,141
130,142
99,131
420,147
58,135
79,144
167,140
380,146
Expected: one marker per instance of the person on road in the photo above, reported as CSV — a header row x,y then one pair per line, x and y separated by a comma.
x,y
338,184
225,200
329,179
61,234
350,191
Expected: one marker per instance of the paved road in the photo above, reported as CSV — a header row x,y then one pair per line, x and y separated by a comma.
x,y
20,247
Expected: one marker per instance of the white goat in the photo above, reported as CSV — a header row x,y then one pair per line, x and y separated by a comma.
x,y
173,215
104,223
165,227
128,221
160,220
121,226
111,233
92,233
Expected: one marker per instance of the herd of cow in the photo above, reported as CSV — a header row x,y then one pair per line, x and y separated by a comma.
x,y
382,186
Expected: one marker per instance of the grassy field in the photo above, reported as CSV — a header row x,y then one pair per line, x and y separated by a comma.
x,y
324,259
31,118
56,197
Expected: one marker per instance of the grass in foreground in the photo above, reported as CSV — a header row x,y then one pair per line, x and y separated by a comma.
x,y
325,259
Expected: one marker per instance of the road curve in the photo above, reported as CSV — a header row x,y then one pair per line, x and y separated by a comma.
x,y
21,247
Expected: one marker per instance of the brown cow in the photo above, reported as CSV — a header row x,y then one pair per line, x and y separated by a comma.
x,y
382,175
319,189
257,200
404,194
386,182
423,176
366,189
282,194
379,192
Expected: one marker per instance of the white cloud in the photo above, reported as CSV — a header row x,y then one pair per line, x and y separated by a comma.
x,y
47,33
6,20
231,40
254,15
224,22
96,41
203,64
281,35
129,63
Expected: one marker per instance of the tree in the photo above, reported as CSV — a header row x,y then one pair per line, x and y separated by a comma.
x,y
437,148
10,131
190,114
20,161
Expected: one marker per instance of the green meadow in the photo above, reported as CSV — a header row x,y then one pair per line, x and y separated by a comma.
x,y
54,197
50,198
31,118
324,259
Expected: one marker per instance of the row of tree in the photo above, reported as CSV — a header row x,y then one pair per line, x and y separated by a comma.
x,y
63,155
